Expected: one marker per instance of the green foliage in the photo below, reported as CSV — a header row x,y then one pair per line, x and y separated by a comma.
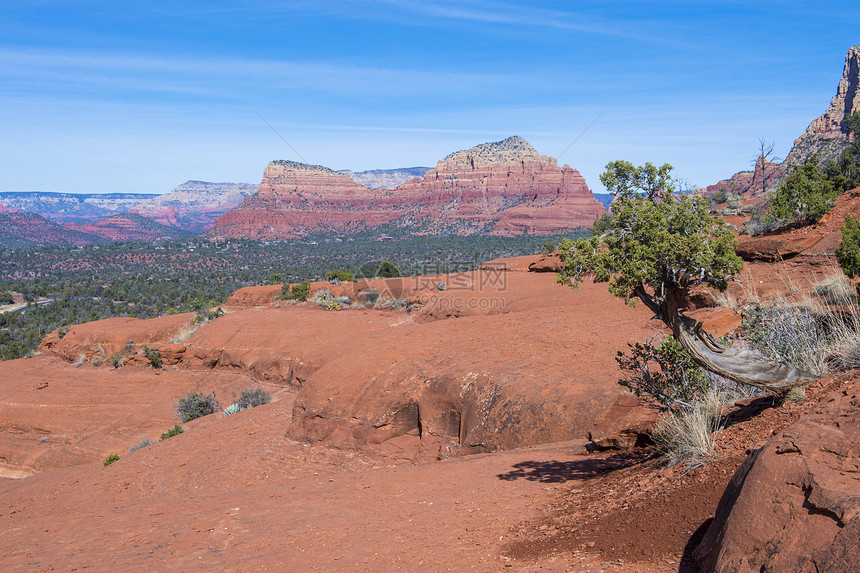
x,y
666,242
379,270
804,196
6,298
624,179
174,431
154,357
276,278
111,459
301,291
548,247
665,373
343,276
116,360
196,405
848,252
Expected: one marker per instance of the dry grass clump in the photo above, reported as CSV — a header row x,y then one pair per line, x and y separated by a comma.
x,y
687,436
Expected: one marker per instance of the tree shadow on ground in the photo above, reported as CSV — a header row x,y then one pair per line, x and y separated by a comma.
x,y
559,472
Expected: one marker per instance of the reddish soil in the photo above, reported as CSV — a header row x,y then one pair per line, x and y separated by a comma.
x,y
357,465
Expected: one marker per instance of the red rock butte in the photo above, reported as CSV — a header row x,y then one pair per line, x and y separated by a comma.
x,y
500,188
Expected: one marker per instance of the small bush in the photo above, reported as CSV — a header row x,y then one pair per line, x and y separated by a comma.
x,y
299,292
6,298
154,357
116,360
196,405
111,459
174,431
204,316
665,373
249,398
144,442
253,397
804,196
339,275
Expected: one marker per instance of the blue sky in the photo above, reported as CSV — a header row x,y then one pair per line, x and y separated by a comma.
x,y
99,97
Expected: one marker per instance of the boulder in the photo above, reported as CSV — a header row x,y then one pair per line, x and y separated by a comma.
x,y
793,505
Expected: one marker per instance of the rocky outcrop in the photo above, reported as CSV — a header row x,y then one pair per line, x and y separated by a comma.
x,y
794,504
194,205
5,209
504,188
827,135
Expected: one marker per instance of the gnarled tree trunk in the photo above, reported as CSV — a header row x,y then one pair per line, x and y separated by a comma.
x,y
739,365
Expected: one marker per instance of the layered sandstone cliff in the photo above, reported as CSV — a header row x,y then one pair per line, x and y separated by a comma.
x,y
828,134
504,188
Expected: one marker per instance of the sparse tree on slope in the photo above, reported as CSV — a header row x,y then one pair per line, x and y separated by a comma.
x,y
657,247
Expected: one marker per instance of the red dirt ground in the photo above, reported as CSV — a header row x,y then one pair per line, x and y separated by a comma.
x,y
254,491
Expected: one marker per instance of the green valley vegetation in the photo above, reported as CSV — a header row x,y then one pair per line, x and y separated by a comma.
x,y
72,285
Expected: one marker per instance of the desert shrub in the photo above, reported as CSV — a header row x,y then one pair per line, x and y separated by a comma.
x,y
339,275
111,459
196,405
62,332
664,372
811,335
116,360
379,270
299,292
548,247
154,356
848,252
247,399
687,436
144,442
205,315
174,431
253,397
6,298
804,196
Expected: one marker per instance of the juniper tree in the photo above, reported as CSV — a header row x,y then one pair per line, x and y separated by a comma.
x,y
655,248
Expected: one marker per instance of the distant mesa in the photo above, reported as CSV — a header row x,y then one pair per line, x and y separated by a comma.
x,y
80,208
194,205
500,188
